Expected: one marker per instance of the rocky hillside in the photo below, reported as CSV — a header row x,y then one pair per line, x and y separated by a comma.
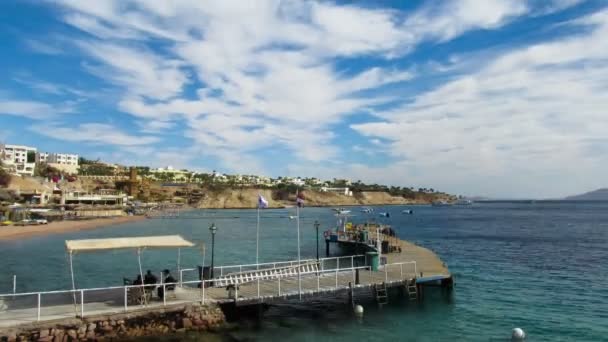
x,y
247,198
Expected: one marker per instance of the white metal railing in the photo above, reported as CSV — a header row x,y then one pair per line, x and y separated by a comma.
x,y
224,270
75,299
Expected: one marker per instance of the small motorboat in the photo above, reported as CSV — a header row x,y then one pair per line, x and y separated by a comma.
x,y
341,211
384,214
407,211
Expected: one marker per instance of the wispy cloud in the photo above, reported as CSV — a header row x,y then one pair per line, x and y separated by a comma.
x,y
33,109
42,47
266,69
236,78
527,113
95,133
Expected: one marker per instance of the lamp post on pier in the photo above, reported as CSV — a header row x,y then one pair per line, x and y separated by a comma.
x,y
317,227
213,230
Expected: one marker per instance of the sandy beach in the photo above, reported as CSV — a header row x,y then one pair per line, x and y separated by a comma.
x,y
19,232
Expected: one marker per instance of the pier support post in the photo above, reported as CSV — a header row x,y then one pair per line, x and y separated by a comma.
x,y
351,294
326,248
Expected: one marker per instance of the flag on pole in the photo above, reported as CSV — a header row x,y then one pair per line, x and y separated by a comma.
x,y
300,199
262,202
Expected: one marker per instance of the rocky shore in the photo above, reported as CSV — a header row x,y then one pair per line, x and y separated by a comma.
x,y
151,322
247,198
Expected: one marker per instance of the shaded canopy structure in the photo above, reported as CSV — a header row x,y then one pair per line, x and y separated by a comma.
x,y
138,243
164,241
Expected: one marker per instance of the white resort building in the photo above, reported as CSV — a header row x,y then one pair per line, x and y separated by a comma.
x,y
15,159
61,161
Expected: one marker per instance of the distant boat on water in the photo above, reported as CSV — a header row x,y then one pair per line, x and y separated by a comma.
x,y
441,204
341,211
464,201
384,214
407,211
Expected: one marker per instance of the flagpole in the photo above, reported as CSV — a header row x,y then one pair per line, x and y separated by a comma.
x,y
257,241
299,266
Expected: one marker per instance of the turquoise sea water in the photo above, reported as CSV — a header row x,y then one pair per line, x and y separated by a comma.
x,y
542,267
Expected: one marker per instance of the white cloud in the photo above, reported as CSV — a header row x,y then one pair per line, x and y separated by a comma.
x,y
266,75
95,133
138,70
42,47
530,117
446,20
32,109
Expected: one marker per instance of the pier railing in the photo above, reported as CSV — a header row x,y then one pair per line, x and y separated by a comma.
x,y
324,263
21,308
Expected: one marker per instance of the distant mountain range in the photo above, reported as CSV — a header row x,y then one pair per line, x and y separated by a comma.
x,y
597,195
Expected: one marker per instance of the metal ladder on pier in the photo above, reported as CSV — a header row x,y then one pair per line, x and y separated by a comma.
x,y
412,290
381,294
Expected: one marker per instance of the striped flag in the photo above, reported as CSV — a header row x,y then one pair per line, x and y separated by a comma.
x,y
300,199
262,202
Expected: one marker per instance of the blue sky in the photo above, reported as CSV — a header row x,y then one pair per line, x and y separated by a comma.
x,y
499,98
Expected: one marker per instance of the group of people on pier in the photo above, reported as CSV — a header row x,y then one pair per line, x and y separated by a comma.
x,y
151,281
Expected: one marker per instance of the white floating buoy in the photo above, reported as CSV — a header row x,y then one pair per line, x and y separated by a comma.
x,y
518,334
358,310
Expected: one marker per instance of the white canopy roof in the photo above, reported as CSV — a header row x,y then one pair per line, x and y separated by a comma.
x,y
167,241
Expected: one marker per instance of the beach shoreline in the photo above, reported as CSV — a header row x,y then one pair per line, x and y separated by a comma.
x,y
21,232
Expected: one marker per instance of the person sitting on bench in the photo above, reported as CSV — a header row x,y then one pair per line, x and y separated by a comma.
x,y
168,280
150,280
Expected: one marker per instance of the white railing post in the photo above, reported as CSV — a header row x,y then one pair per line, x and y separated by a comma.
x,y
126,299
352,261
279,284
318,281
322,264
415,270
164,295
385,272
336,278
354,276
236,292
338,263
81,303
38,311
401,266
14,283
181,275
203,286
221,271
258,286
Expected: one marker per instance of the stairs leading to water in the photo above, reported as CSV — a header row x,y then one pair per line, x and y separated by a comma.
x,y
381,294
412,290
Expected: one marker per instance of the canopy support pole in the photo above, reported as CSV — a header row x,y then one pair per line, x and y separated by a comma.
x,y
179,267
72,276
141,273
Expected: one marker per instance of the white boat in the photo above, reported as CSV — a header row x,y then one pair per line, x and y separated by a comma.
x,y
367,210
441,204
407,211
384,214
341,211
464,201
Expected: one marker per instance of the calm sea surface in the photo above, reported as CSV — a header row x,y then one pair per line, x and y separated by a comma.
x,y
542,267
